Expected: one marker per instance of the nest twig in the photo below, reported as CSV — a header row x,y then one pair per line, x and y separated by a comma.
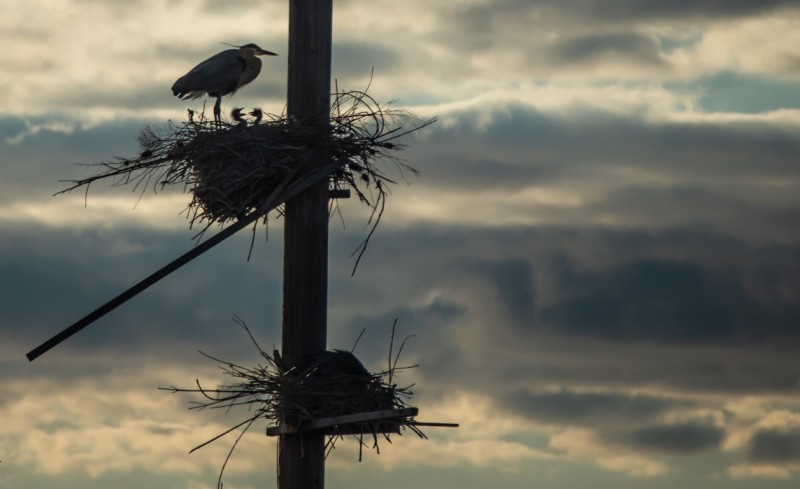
x,y
304,393
231,169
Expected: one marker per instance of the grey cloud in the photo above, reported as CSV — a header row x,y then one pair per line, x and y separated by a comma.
x,y
514,282
356,60
57,425
669,9
184,56
52,278
696,374
587,31
699,270
480,16
593,141
562,257
693,175
230,8
624,46
11,127
36,167
191,311
434,321
269,86
523,147
162,430
675,439
589,409
666,301
772,446
118,4
701,205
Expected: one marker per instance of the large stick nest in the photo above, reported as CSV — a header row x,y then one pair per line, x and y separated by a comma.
x,y
333,383
231,169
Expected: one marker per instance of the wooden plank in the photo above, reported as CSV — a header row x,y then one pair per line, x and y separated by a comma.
x,y
432,424
368,417
377,428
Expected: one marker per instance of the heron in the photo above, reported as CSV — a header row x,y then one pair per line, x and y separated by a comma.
x,y
221,74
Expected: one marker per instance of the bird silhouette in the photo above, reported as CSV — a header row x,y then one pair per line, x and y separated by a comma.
x,y
221,74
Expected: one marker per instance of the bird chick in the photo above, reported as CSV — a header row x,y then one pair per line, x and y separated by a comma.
x,y
238,117
258,114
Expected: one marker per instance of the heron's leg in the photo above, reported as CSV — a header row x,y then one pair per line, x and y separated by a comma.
x,y
217,111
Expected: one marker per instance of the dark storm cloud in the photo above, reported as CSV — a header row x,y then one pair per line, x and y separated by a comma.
x,y
706,205
536,147
51,278
520,352
723,373
669,301
770,446
624,46
589,409
678,439
191,310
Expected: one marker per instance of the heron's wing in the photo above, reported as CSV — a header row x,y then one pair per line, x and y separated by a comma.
x,y
218,75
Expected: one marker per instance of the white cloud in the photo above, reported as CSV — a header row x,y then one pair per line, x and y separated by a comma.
x,y
99,211
118,423
768,45
741,471
476,442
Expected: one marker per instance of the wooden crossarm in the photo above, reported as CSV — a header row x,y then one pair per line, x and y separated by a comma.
x,y
348,419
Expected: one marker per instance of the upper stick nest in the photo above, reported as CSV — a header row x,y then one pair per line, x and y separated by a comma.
x,y
231,169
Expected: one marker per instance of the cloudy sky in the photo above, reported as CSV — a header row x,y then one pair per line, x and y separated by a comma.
x,y
600,261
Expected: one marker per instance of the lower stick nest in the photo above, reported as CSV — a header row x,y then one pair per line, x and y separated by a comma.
x,y
329,384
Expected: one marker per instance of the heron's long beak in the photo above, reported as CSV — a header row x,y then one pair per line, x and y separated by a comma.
x,y
264,52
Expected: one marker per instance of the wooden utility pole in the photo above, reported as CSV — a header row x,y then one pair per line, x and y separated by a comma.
x,y
301,461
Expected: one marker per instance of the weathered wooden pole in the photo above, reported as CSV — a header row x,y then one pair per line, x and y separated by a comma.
x,y
301,461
